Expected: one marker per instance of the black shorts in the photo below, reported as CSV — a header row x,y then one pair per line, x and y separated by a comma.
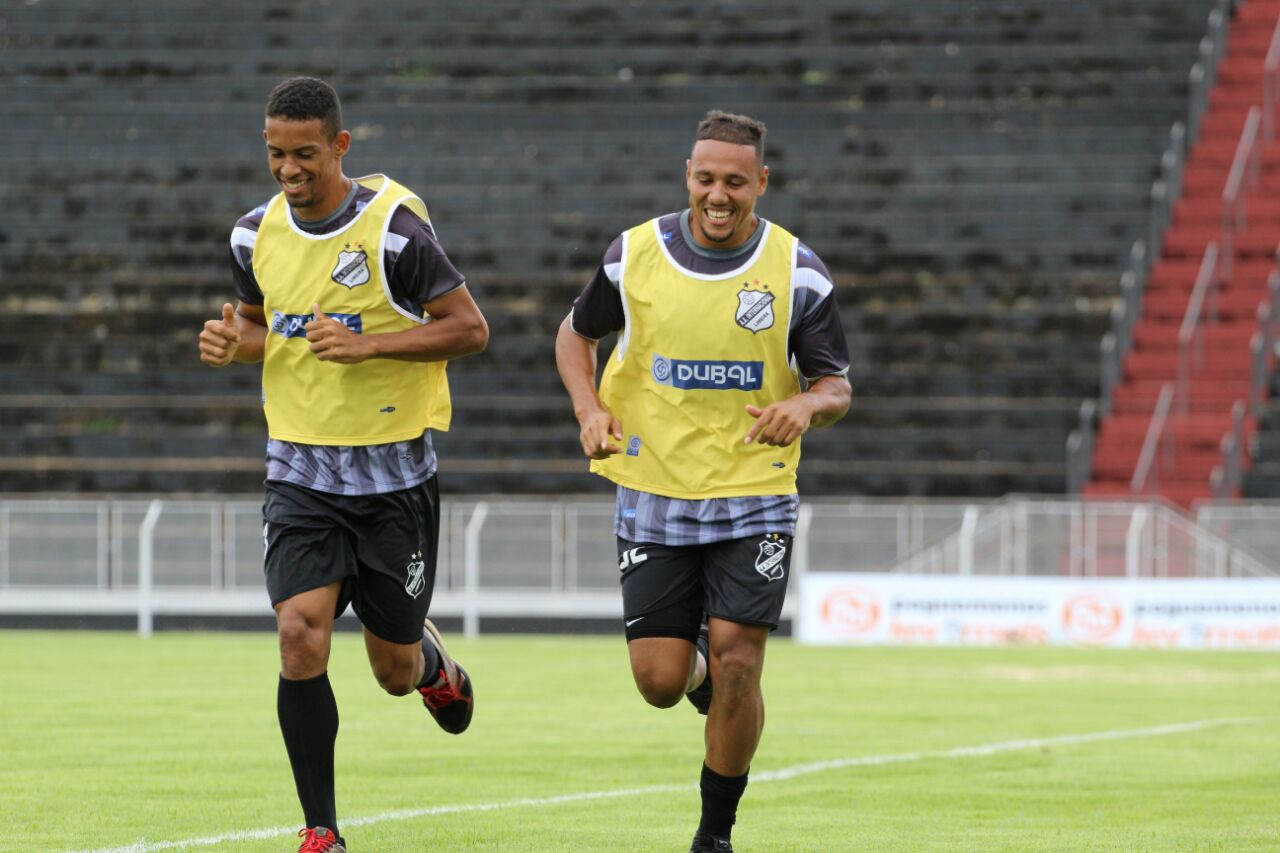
x,y
667,589
383,547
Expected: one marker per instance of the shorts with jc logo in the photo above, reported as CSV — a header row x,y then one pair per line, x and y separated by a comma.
x,y
383,548
666,589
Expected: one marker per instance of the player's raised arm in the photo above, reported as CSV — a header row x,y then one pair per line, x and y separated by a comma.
x,y
238,335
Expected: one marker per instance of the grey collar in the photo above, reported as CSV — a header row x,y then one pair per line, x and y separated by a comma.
x,y
716,254
315,225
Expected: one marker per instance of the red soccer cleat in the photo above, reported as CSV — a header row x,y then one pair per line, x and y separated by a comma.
x,y
320,840
450,700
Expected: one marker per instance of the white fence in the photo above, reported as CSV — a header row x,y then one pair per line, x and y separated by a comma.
x,y
557,558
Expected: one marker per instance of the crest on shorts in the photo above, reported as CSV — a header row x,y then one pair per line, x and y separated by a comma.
x,y
352,269
416,581
755,308
769,561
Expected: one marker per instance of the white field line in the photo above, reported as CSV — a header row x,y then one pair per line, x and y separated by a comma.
x,y
144,846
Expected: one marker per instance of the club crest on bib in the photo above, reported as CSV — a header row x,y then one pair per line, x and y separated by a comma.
x,y
755,309
352,269
769,561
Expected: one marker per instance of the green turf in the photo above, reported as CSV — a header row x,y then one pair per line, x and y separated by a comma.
x,y
106,739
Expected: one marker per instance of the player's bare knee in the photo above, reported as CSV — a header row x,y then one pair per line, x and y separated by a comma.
x,y
395,676
659,690
735,669
304,647
660,697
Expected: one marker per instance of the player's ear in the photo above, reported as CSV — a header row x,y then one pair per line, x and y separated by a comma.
x,y
764,179
342,143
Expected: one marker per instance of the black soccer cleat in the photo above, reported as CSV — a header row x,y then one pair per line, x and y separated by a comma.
x,y
704,843
450,700
700,696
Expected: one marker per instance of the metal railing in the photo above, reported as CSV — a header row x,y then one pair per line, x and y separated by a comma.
x,y
1158,442
1204,73
1048,537
1166,189
1263,343
505,558
1271,85
1124,316
1190,334
493,546
1228,477
1243,177
1251,525
1080,448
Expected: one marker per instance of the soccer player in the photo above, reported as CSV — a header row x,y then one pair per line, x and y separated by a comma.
x,y
353,308
698,421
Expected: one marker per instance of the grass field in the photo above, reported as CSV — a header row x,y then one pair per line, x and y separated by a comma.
x,y
109,742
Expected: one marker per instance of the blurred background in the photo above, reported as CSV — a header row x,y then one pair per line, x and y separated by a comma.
x,y
1051,227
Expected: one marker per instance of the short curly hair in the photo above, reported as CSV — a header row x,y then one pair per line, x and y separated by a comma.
x,y
305,98
731,127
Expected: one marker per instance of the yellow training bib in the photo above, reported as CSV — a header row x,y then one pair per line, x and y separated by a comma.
x,y
694,352
309,401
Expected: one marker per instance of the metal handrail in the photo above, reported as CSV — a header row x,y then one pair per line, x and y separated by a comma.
x,y
1271,85
1124,316
1245,166
1262,344
1228,476
1172,159
1189,334
1080,448
1167,189
1204,73
1146,472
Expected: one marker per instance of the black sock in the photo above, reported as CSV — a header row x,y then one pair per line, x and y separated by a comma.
x,y
431,655
720,796
309,722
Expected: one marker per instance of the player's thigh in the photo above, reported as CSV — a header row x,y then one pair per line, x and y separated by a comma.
x,y
397,540
661,590
746,579
308,546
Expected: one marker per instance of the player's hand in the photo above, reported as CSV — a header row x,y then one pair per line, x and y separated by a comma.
x,y
331,340
779,424
220,338
598,428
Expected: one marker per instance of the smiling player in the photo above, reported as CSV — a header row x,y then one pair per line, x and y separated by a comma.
x,y
698,420
353,308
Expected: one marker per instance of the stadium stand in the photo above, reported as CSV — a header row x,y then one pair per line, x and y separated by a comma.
x,y
1194,380
973,175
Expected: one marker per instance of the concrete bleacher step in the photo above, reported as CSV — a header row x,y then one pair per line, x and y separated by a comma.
x,y
1198,429
1181,466
1163,364
1223,336
1206,395
1234,304
1179,273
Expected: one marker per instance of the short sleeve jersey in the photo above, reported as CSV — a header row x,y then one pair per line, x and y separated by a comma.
x,y
815,340
417,271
